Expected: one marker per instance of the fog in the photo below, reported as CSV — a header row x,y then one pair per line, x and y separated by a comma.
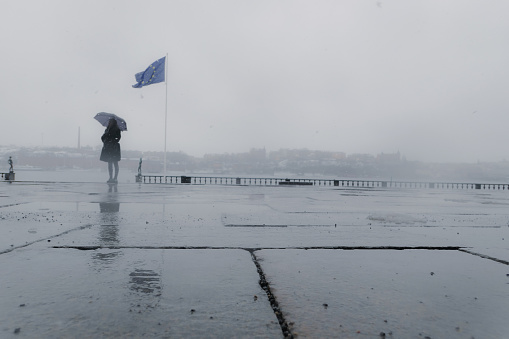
x,y
427,78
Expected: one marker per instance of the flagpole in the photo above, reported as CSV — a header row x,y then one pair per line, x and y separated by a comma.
x,y
165,112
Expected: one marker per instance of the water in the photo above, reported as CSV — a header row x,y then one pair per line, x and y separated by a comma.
x,y
73,176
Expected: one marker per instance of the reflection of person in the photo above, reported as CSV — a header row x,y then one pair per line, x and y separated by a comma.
x,y
109,207
111,149
11,169
109,217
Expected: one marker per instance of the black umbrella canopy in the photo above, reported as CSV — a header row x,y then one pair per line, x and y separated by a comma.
x,y
104,117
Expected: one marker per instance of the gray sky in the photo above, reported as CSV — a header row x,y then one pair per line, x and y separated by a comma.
x,y
427,78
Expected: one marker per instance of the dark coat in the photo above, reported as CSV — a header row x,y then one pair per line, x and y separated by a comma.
x,y
111,147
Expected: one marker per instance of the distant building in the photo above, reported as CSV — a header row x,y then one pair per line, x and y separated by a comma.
x,y
389,157
338,155
358,157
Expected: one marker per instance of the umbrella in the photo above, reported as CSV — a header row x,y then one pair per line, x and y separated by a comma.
x,y
104,117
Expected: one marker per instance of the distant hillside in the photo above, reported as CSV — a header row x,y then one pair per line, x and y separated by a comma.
x,y
260,162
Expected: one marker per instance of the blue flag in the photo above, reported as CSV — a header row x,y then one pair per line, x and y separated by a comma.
x,y
152,75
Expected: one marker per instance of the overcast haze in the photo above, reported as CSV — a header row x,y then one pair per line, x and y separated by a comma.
x,y
427,78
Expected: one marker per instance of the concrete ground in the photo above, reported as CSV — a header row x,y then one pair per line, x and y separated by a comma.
x,y
88,260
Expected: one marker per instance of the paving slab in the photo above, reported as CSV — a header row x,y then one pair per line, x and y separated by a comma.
x,y
386,293
213,216
65,293
81,257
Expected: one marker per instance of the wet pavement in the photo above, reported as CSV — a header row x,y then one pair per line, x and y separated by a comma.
x,y
88,260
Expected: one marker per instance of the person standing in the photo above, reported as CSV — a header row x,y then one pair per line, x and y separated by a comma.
x,y
110,152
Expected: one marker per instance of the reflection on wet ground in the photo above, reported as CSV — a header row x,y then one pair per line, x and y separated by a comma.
x,y
105,257
109,208
108,227
108,235
145,281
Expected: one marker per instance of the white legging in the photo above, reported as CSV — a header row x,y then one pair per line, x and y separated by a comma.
x,y
110,169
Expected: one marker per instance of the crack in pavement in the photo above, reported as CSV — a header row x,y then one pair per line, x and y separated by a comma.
x,y
47,238
272,298
484,256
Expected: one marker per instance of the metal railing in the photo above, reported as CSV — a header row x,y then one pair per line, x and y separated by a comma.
x,y
200,180
8,176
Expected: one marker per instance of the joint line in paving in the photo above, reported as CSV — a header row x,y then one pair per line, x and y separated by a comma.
x,y
15,204
47,239
251,249
272,298
484,256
